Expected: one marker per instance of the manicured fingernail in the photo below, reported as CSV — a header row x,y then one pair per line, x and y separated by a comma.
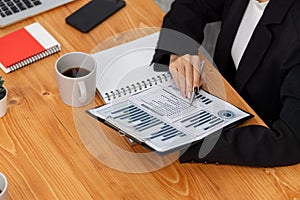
x,y
195,90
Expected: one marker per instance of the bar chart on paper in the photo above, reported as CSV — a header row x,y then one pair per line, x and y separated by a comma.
x,y
162,119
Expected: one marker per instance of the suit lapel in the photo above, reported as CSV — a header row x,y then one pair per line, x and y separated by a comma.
x,y
253,55
260,41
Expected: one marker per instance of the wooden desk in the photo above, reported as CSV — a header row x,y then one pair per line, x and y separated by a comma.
x,y
44,156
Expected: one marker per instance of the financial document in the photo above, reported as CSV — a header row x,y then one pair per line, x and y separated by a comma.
x,y
162,119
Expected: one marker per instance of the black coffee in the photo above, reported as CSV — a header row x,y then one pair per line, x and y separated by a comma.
x,y
76,72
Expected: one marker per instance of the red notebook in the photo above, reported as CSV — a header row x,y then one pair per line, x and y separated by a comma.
x,y
25,46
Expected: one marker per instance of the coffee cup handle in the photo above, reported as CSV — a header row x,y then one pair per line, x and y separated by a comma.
x,y
83,92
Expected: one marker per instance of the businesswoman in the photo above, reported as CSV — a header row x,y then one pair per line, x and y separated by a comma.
x,y
258,52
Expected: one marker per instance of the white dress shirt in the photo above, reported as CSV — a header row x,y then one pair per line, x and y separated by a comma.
x,y
249,21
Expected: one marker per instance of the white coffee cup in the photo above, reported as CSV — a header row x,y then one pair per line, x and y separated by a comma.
x,y
3,187
3,105
76,91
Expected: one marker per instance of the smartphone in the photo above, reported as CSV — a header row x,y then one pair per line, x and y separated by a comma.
x,y
93,13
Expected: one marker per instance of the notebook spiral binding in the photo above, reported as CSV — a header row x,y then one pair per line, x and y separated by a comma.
x,y
137,87
36,57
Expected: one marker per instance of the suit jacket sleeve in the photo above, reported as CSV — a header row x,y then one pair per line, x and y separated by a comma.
x,y
179,34
278,145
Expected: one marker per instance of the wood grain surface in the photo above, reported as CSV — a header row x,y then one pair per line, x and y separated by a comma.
x,y
50,151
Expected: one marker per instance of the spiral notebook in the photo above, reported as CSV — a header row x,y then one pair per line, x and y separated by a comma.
x,y
25,46
125,69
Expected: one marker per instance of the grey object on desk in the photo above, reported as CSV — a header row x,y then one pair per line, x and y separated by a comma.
x,y
3,187
11,11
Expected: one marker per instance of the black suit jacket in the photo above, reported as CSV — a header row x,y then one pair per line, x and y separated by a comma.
x,y
268,78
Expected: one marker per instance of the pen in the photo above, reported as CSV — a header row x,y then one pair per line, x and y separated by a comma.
x,y
193,96
195,89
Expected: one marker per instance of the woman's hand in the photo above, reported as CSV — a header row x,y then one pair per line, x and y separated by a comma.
x,y
186,73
